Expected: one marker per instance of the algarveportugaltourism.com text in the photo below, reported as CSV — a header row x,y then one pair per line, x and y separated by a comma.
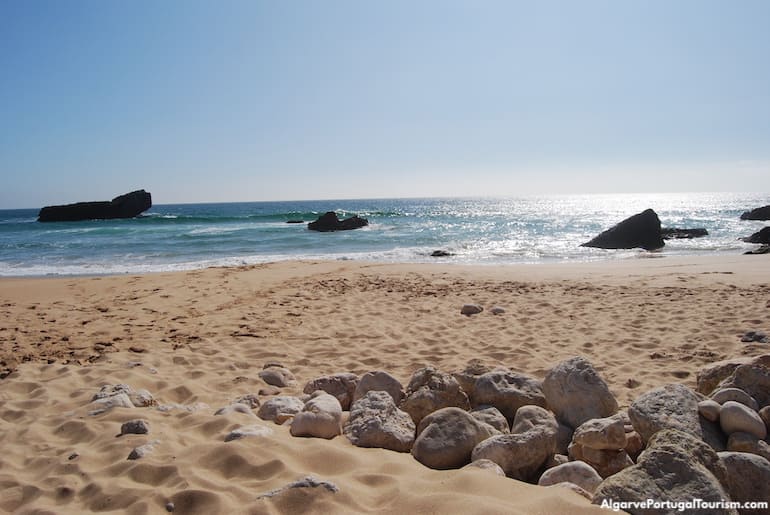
x,y
694,504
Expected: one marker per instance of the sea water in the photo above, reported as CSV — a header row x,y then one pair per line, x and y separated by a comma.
x,y
490,231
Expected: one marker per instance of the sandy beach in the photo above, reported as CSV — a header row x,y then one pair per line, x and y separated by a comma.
x,y
197,340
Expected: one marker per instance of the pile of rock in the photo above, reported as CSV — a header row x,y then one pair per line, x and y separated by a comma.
x,y
566,428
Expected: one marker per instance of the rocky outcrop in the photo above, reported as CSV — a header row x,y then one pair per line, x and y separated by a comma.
x,y
124,206
674,233
576,393
446,438
375,421
760,213
675,467
641,230
328,222
761,236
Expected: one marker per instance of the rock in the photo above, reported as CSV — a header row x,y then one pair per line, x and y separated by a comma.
x,y
601,433
556,460
532,417
709,409
306,482
446,438
320,418
577,472
675,467
281,404
492,416
748,478
672,406
250,400
508,391
440,253
236,407
752,378
467,377
105,404
764,414
134,427
735,394
754,336
245,431
710,376
487,465
375,421
142,399
170,506
140,452
328,222
761,236
520,455
606,462
497,310
379,381
745,442
634,445
297,221
124,206
342,386
576,393
277,376
671,233
640,230
267,391
760,213
471,309
735,417
430,390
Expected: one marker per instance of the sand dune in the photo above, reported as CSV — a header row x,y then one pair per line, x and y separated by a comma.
x,y
196,341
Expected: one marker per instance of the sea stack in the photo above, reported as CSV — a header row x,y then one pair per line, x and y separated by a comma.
x,y
641,230
124,206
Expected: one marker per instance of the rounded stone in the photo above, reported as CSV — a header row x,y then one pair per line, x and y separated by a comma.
x,y
709,409
577,472
737,395
735,417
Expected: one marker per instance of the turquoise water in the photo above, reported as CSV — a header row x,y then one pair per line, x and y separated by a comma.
x,y
483,231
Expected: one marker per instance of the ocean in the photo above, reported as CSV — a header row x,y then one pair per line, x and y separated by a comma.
x,y
491,231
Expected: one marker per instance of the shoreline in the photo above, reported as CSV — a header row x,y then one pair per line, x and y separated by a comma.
x,y
198,339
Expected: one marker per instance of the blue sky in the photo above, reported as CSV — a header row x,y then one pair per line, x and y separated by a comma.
x,y
254,100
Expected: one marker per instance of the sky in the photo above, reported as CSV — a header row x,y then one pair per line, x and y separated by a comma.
x,y
235,100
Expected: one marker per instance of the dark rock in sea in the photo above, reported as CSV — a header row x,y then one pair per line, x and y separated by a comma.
x,y
673,233
640,230
440,253
764,249
329,222
761,236
295,221
760,213
125,206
